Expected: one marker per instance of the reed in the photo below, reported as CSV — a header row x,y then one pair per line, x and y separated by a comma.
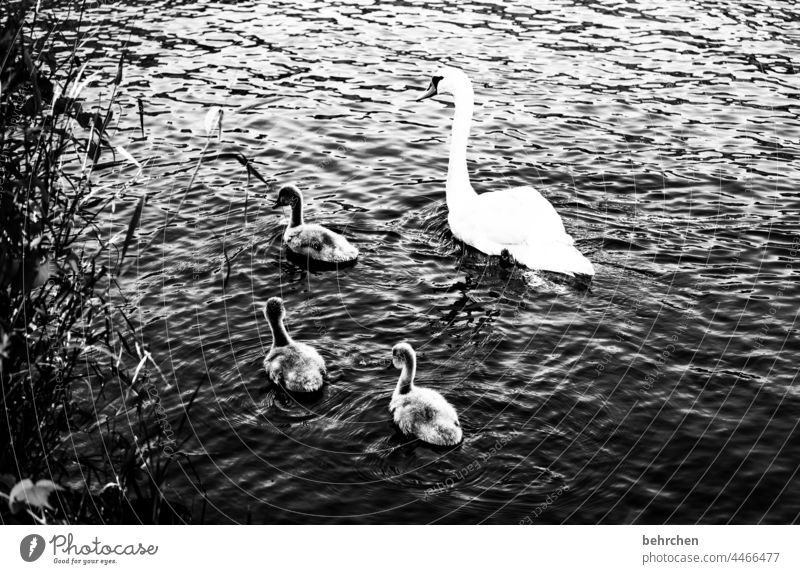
x,y
80,391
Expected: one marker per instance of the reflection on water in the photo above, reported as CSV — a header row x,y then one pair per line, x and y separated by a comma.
x,y
664,133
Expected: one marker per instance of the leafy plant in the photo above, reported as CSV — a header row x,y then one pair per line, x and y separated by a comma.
x,y
65,323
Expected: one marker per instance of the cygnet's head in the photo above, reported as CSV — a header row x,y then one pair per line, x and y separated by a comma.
x,y
288,195
402,354
446,80
274,309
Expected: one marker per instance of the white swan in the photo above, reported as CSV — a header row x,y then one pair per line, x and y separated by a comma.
x,y
421,412
292,365
312,241
519,220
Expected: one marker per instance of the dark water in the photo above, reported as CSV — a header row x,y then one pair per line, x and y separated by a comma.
x,y
666,134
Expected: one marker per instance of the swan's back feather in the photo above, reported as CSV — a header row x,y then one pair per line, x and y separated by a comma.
x,y
525,210
319,243
296,366
426,414
522,221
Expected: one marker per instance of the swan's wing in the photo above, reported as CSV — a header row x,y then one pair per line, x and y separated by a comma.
x,y
520,215
298,368
405,414
320,243
308,237
541,243
440,431
503,219
311,358
273,365
438,422
553,256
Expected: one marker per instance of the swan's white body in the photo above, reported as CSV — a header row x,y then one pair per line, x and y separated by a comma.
x,y
295,366
519,220
421,412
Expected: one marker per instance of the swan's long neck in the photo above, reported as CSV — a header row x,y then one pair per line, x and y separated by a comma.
x,y
458,184
280,338
297,212
406,380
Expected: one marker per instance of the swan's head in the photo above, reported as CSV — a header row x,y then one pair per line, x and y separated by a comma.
x,y
402,355
288,195
274,310
446,80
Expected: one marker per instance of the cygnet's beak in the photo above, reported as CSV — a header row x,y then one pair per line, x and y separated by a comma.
x,y
429,93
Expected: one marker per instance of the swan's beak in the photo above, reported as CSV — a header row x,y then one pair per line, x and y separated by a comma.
x,y
429,93
277,205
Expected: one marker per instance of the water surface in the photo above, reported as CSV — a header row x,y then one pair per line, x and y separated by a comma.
x,y
665,134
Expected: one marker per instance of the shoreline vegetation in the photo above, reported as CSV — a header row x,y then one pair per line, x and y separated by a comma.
x,y
85,438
